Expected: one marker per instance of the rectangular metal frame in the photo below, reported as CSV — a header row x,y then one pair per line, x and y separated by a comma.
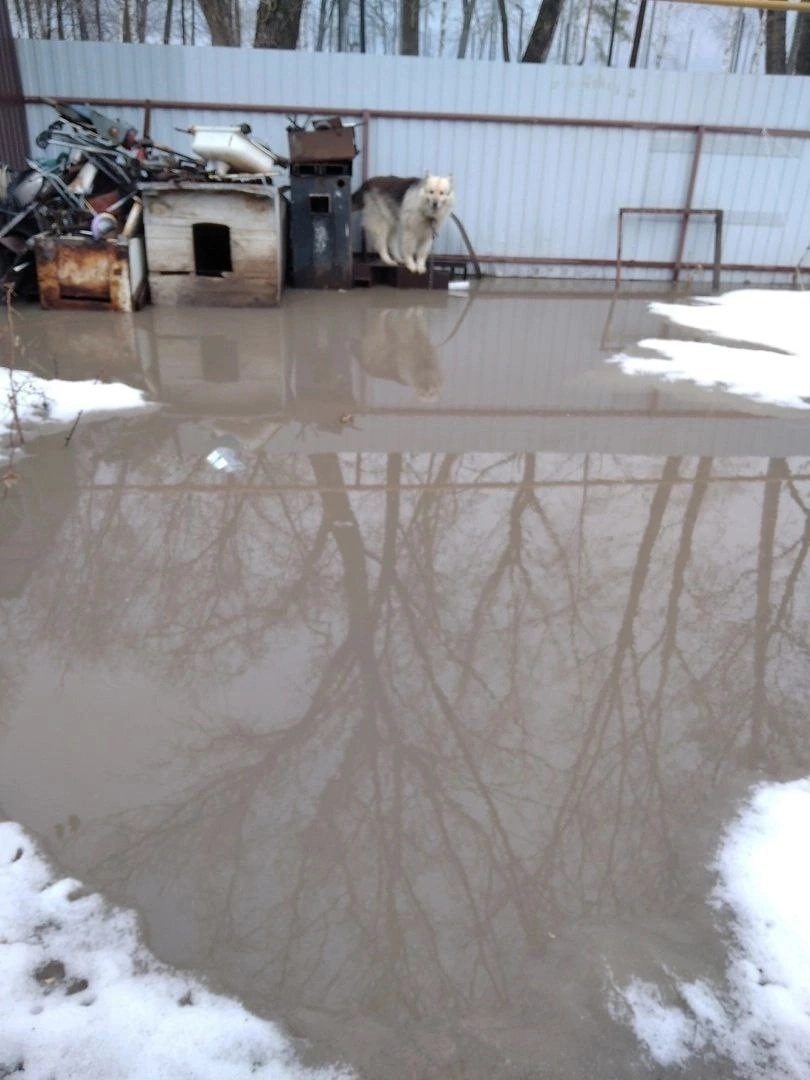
x,y
685,213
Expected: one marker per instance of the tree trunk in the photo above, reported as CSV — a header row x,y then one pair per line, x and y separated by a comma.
x,y
277,24
126,24
802,45
775,43
504,28
323,22
343,25
409,28
24,18
218,15
81,20
464,39
141,17
167,23
539,43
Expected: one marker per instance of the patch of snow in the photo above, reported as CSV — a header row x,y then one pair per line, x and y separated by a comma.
x,y
81,996
47,405
779,374
760,1019
776,318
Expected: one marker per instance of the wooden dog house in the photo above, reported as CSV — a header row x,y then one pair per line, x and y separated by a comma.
x,y
218,243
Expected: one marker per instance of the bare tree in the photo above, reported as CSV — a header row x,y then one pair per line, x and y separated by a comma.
x,y
801,46
278,23
775,43
409,28
141,19
539,43
504,29
222,19
167,23
466,24
81,20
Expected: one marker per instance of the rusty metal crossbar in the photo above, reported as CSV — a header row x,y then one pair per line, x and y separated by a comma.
x,y
685,213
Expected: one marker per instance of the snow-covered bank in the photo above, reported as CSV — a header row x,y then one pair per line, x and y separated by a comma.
x,y
82,997
760,1019
778,374
41,406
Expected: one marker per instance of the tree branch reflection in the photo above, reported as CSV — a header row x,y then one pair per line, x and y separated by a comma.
x,y
485,697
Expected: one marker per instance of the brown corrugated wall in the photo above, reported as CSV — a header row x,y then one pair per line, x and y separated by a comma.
x,y
13,127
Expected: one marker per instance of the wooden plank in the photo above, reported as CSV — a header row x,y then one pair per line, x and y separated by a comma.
x,y
228,291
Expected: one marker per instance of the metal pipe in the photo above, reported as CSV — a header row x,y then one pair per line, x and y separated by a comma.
x,y
439,117
627,264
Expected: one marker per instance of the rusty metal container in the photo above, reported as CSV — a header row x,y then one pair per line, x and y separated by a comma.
x,y
329,143
80,272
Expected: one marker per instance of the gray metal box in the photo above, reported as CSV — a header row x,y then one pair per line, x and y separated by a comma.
x,y
320,228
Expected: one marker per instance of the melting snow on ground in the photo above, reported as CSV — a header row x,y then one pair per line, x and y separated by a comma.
x,y
81,996
760,1018
46,405
778,374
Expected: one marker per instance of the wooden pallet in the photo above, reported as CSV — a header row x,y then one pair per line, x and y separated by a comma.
x,y
369,272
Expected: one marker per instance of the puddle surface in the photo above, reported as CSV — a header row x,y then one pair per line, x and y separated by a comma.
x,y
427,719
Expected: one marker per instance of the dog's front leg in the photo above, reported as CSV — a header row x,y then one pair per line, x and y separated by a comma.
x,y
409,259
422,255
407,247
378,240
395,246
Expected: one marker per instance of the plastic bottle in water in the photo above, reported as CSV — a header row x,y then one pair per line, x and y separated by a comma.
x,y
225,459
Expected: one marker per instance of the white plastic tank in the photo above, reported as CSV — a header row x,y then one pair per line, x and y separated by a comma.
x,y
232,146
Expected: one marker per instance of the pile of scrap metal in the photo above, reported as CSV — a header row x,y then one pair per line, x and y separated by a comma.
x,y
87,185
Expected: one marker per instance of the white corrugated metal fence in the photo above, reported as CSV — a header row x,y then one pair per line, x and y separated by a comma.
x,y
544,190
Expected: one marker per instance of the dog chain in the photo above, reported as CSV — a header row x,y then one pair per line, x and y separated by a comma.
x,y
430,263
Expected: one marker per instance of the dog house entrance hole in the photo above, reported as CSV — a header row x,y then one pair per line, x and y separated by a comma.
x,y
212,249
320,204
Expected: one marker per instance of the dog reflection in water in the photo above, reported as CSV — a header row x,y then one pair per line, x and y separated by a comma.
x,y
397,346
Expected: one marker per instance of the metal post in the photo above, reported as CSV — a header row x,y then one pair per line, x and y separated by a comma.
x,y
690,194
619,250
718,249
366,139
13,123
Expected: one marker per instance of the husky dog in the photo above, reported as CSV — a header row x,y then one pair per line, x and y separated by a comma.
x,y
401,216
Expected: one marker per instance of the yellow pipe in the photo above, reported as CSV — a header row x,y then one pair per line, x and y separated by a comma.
x,y
769,5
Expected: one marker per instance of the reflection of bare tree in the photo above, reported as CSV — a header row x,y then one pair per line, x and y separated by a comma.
x,y
485,700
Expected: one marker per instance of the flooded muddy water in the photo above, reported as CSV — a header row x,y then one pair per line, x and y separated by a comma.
x,y
418,731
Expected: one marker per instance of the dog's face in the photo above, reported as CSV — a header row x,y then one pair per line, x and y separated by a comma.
x,y
437,192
